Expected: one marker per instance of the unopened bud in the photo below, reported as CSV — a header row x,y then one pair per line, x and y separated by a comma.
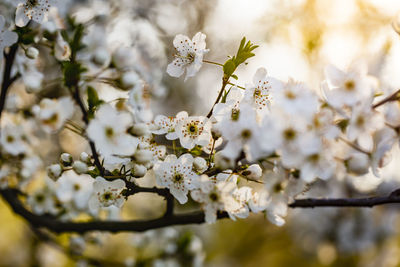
x,y
80,167
66,159
84,157
358,163
54,171
200,164
254,172
138,170
143,155
32,53
140,129
129,79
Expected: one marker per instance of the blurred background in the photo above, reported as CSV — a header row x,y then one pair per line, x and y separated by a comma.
x,y
297,39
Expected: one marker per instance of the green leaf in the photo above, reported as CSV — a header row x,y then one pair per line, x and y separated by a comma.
x,y
72,73
244,52
229,67
93,101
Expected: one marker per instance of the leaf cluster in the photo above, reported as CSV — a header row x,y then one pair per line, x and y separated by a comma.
x,y
244,52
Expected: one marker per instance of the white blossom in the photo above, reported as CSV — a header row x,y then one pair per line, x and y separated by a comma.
x,y
106,194
109,131
7,38
177,175
194,131
36,10
75,188
53,113
189,55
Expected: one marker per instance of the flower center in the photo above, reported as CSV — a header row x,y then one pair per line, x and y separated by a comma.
x,y
349,85
246,134
109,132
32,3
235,114
289,134
313,157
53,119
360,121
213,196
10,139
290,95
77,187
107,196
178,178
39,198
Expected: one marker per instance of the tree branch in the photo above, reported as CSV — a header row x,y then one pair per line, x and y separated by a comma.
x,y
7,80
394,197
58,226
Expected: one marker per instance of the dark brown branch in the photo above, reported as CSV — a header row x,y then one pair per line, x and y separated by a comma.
x,y
225,81
346,202
58,226
7,79
393,97
85,118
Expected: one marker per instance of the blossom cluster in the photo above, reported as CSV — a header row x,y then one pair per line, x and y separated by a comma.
x,y
261,146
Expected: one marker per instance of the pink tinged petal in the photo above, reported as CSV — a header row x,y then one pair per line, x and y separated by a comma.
x,y
175,68
21,19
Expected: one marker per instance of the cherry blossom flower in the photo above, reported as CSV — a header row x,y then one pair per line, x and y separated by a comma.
x,y
106,194
347,88
177,175
166,125
210,195
109,131
194,131
53,113
247,135
12,139
295,98
189,55
75,188
7,38
259,93
35,10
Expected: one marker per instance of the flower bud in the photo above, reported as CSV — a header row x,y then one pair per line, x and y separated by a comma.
x,y
358,163
200,164
101,57
80,167
254,172
32,53
54,171
66,159
143,155
140,129
84,157
138,170
129,79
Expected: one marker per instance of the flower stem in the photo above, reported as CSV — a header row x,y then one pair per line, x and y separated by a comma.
x,y
238,86
212,62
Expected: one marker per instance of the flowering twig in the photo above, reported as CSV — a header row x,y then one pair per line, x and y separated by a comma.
x,y
225,81
393,97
